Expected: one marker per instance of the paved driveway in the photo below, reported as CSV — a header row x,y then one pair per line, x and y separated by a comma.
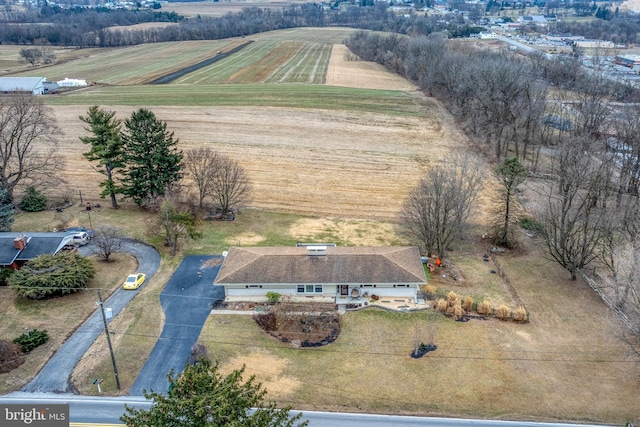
x,y
55,375
186,301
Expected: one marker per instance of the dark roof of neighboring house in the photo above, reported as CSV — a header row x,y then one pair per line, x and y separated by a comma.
x,y
37,244
340,265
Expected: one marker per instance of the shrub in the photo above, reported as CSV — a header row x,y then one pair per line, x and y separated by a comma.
x,y
11,356
430,289
441,306
273,297
32,339
520,315
5,273
33,200
484,307
467,304
531,225
52,275
198,352
452,297
502,312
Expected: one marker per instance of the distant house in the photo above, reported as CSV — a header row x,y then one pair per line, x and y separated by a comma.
x,y
18,248
334,273
31,85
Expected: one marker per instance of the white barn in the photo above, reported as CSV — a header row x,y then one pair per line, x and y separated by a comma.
x,y
336,273
32,85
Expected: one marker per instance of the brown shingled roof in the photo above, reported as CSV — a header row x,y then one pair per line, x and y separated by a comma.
x,y
261,265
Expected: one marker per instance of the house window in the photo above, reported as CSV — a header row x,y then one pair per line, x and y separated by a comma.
x,y
309,289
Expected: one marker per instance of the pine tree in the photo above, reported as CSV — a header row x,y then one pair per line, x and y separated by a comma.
x,y
201,396
106,147
153,161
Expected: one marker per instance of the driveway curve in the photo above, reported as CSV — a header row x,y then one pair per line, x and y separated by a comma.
x,y
186,301
55,376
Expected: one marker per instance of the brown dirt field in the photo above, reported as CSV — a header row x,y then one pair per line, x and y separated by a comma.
x,y
362,74
323,163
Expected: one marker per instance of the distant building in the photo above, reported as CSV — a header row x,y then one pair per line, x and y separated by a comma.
x,y
32,85
628,60
603,44
67,82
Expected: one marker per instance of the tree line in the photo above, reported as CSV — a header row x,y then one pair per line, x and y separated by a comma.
x,y
138,157
532,117
82,27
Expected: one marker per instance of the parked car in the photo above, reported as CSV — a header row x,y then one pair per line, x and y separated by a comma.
x,y
81,239
90,233
134,281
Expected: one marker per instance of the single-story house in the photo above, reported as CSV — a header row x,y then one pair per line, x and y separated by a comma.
x,y
32,85
338,273
18,248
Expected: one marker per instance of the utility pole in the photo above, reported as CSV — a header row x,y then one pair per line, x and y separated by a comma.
x,y
106,331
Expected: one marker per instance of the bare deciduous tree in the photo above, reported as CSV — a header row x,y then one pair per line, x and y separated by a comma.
x,y
577,217
107,241
437,210
230,186
201,164
28,143
511,174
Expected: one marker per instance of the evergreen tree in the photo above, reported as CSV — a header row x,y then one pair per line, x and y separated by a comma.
x,y
33,200
106,147
6,211
201,396
153,161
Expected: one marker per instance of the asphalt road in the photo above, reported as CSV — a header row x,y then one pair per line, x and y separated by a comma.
x,y
96,411
186,301
55,375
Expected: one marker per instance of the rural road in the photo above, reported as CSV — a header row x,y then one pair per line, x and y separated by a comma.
x,y
186,301
55,375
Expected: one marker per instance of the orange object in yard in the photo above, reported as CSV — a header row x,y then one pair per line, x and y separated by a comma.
x,y
438,262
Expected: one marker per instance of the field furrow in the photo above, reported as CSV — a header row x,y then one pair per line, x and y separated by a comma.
x,y
264,68
308,66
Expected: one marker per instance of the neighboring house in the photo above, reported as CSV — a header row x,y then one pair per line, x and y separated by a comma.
x,y
18,248
339,273
32,85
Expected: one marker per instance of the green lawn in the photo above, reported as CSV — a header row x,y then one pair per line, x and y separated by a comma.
x,y
269,95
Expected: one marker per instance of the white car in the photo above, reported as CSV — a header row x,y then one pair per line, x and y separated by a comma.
x,y
81,239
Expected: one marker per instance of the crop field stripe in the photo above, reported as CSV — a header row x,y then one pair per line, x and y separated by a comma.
x,y
221,71
262,69
303,66
242,95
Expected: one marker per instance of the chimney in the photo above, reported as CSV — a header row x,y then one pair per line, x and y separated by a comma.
x,y
20,242
316,250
